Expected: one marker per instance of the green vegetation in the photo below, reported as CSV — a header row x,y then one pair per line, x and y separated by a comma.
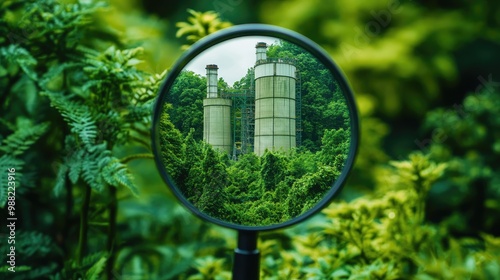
x,y
67,105
251,191
421,202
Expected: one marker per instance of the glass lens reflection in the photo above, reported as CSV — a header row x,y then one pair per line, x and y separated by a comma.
x,y
255,131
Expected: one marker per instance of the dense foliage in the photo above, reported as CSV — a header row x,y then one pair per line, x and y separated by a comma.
x,y
67,105
252,190
70,89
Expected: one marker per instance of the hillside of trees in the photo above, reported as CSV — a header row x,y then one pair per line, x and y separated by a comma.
x,y
253,190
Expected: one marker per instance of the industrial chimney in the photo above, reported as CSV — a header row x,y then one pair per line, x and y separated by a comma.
x,y
216,114
261,49
212,80
275,123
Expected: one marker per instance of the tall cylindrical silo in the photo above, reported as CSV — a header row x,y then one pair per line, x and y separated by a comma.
x,y
275,126
216,115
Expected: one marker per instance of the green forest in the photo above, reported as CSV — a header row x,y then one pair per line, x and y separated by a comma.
x,y
78,83
253,190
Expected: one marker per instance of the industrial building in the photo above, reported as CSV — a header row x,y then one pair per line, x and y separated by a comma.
x,y
216,115
264,116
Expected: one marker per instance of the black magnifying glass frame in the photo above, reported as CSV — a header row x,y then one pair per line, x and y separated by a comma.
x,y
278,33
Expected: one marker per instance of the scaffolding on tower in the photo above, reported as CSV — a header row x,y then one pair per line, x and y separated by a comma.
x,y
243,118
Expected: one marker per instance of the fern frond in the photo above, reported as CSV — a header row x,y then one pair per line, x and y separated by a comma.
x,y
77,115
72,165
91,171
14,56
95,271
34,246
91,259
32,243
14,145
98,168
25,135
59,21
91,266
84,126
117,174
7,161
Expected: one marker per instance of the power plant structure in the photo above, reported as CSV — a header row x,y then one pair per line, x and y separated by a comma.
x,y
266,115
216,114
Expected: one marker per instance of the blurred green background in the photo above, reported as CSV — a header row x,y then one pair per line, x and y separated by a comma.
x,y
421,203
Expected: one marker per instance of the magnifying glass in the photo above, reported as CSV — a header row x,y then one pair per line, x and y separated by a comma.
x,y
255,129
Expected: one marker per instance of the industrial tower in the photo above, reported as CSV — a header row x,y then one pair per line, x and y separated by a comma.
x,y
216,114
275,80
268,112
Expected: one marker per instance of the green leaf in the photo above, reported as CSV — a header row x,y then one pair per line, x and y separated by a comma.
x,y
95,271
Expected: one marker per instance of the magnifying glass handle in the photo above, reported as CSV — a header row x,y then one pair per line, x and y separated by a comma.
x,y
246,257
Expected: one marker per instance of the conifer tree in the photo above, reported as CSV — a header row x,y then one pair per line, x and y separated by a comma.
x,y
214,183
273,170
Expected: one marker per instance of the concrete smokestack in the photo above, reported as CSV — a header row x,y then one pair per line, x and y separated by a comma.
x,y
216,115
212,80
261,49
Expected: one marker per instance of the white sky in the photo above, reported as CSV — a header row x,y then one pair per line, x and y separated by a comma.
x,y
233,57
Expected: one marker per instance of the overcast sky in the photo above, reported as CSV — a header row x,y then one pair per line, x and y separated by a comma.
x,y
233,57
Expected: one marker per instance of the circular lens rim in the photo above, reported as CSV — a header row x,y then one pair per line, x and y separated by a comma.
x,y
279,33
